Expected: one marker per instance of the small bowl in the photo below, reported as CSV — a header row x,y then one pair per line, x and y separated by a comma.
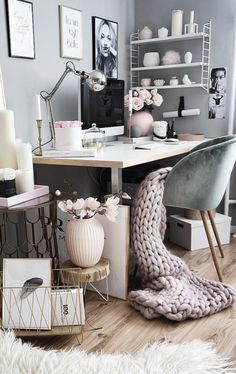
x,y
159,82
145,82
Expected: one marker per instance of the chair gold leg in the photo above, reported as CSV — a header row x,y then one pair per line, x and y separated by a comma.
x,y
204,219
216,233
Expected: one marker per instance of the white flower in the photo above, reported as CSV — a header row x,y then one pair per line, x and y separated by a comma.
x,y
62,206
89,208
78,205
154,92
111,208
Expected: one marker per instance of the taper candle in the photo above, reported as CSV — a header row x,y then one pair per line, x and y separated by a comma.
x,y
38,107
130,101
191,21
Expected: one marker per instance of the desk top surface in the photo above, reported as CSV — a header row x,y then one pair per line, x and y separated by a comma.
x,y
120,155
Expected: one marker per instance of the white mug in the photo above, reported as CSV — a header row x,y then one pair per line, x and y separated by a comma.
x,y
160,129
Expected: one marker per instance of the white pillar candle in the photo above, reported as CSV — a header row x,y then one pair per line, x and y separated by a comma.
x,y
38,107
24,156
191,17
7,140
24,181
130,101
177,22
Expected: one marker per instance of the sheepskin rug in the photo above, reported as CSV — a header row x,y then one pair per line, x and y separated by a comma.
x,y
196,357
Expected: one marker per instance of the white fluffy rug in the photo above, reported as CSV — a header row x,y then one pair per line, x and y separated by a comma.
x,y
196,357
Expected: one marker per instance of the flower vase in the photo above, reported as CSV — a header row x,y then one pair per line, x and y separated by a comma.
x,y
141,124
84,241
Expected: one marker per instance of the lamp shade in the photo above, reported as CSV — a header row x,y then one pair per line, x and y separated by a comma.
x,y
96,80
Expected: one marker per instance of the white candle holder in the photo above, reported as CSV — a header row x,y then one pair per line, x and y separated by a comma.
x,y
191,28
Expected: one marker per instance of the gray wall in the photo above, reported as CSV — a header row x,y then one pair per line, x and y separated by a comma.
x,y
157,13
24,78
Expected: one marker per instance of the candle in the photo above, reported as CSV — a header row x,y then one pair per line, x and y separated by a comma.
x,y
7,140
24,155
191,17
38,107
177,22
130,101
24,181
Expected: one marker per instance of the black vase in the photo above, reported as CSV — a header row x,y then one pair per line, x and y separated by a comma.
x,y
7,188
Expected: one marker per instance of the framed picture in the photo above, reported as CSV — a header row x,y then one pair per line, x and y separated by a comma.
x,y
71,32
20,29
217,92
105,46
26,293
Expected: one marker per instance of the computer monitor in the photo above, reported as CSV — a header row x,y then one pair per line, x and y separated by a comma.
x,y
105,108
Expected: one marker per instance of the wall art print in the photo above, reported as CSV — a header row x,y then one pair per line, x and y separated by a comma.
x,y
20,24
105,46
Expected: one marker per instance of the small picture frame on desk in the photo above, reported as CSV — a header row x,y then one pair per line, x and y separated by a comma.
x,y
20,25
26,302
71,42
105,46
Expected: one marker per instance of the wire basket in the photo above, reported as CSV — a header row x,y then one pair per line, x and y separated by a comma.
x,y
34,309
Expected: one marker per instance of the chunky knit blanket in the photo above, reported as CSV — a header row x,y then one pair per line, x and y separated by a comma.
x,y
171,289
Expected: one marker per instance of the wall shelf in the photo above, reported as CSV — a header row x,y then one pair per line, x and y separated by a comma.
x,y
203,65
173,66
199,35
171,87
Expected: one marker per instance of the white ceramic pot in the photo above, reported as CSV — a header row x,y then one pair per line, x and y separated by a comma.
x,y
84,241
151,59
174,81
145,33
188,57
162,32
160,129
145,82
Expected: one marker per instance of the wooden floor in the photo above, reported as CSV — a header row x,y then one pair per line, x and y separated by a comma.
x,y
125,330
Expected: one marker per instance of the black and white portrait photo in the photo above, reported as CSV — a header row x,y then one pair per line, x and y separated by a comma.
x,y
105,46
217,93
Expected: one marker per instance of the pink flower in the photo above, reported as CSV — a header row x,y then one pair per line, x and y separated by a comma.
x,y
126,100
137,103
135,93
148,102
144,94
157,100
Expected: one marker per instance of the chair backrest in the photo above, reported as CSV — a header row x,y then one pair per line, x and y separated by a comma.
x,y
199,180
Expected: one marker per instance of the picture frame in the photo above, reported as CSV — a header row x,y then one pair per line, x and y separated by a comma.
x,y
26,302
105,46
71,42
20,24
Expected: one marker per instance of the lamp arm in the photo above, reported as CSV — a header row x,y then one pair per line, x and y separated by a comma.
x,y
70,68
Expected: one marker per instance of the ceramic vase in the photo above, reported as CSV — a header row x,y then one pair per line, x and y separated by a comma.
x,y
188,57
145,33
141,124
84,241
151,59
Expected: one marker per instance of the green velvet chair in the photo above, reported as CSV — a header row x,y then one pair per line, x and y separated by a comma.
x,y
199,181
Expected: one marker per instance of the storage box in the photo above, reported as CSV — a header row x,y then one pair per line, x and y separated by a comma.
x,y
191,234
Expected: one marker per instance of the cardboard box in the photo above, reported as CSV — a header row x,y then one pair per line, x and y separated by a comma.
x,y
191,234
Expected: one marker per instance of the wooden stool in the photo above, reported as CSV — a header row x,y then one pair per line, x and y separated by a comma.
x,y
84,276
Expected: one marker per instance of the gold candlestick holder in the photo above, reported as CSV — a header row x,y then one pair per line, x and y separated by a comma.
x,y
39,127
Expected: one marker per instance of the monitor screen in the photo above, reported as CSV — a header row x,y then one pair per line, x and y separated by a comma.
x,y
105,108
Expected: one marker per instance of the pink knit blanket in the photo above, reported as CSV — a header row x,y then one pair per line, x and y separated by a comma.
x,y
170,289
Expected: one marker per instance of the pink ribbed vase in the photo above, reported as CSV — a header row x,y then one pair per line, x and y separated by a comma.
x,y
84,241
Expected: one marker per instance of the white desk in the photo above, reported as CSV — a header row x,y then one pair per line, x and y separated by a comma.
x,y
118,156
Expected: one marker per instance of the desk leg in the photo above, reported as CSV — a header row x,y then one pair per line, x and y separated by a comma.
x,y
116,180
